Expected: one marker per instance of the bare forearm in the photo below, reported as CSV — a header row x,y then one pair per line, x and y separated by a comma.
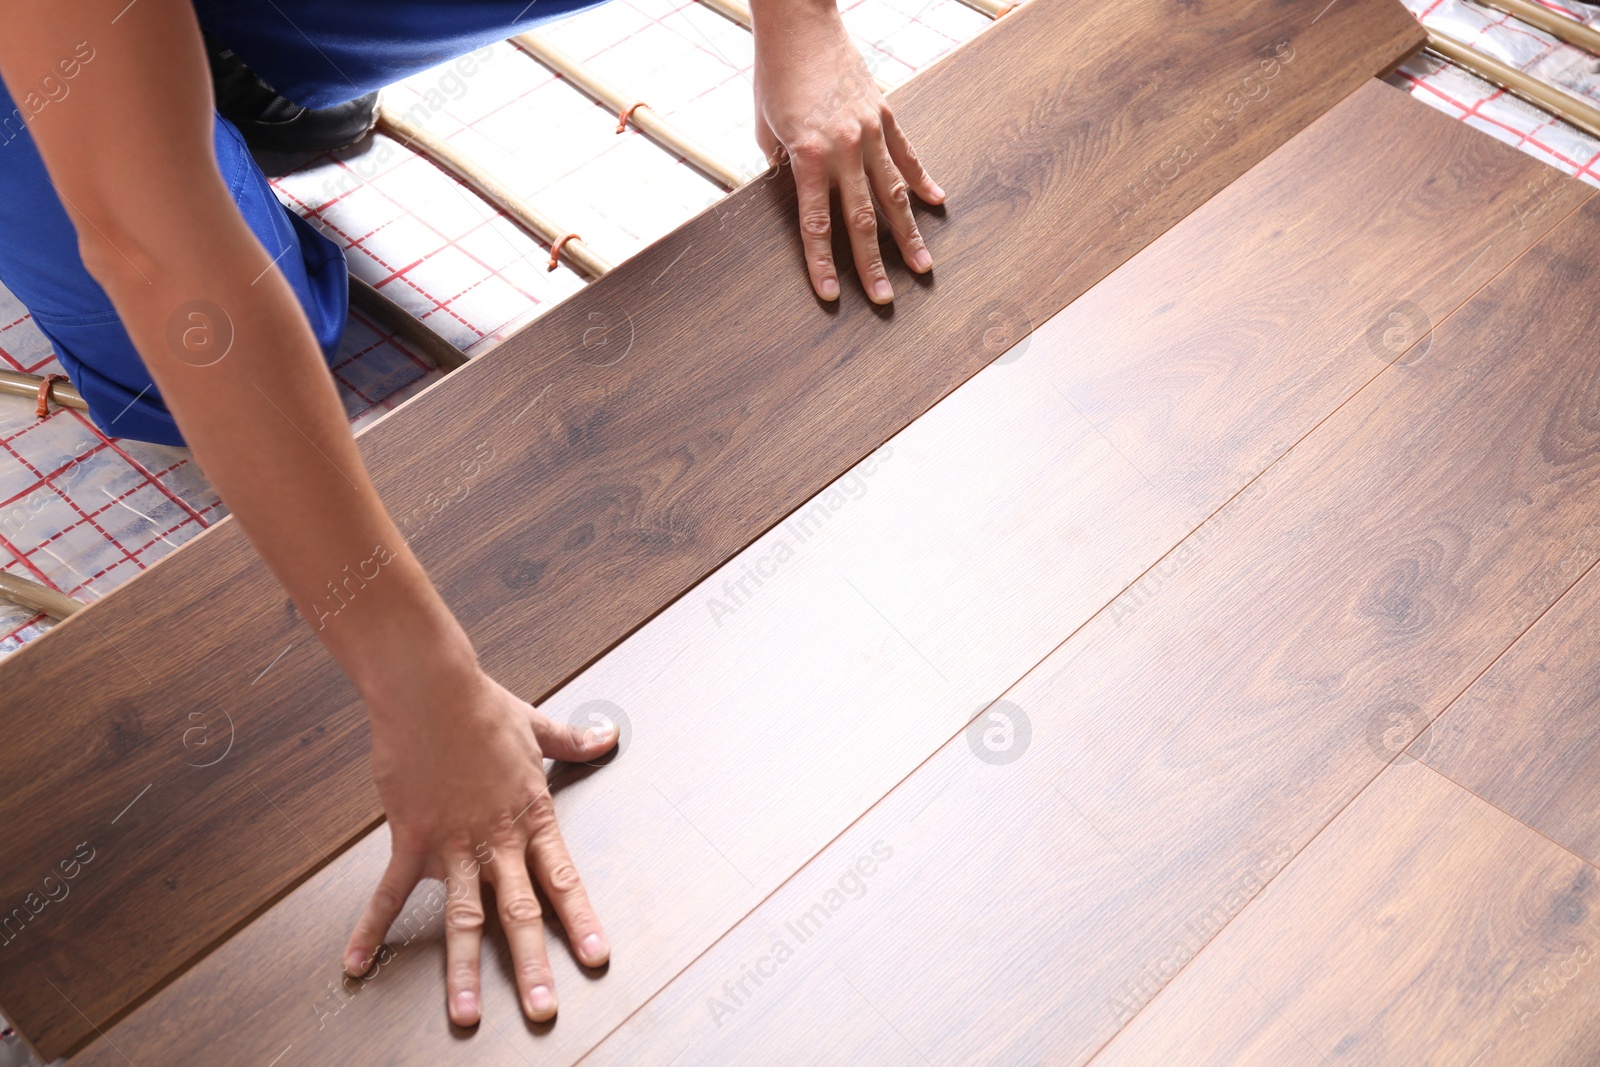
x,y
130,154
266,425
782,28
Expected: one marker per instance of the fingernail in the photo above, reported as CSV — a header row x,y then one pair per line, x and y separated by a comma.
x,y
830,289
938,192
882,291
602,732
920,260
592,948
541,1000
356,962
467,1007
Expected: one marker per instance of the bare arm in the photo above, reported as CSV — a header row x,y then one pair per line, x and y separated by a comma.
x,y
457,759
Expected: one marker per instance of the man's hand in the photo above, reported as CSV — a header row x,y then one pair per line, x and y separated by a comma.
x,y
816,104
461,776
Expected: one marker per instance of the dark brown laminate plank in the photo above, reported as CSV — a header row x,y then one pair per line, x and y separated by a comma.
x,y
1190,740
768,717
1524,737
601,486
1423,926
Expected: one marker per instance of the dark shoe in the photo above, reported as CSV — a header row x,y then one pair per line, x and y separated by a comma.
x,y
270,123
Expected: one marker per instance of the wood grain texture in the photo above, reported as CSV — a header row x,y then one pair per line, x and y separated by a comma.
x,y
768,715
1185,744
1524,737
606,478
1423,926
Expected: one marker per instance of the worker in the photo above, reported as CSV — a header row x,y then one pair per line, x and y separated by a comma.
x,y
188,305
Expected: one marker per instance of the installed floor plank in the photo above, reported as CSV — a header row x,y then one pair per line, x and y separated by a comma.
x,y
1423,927
1194,736
773,704
1525,736
611,478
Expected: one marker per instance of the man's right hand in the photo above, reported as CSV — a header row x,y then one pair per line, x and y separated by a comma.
x,y
460,770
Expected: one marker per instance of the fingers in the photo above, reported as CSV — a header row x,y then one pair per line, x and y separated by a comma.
x,y
574,742
816,221
906,161
861,220
463,940
895,199
521,918
402,874
558,877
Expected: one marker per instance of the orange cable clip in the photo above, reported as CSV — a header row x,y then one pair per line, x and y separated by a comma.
x,y
42,409
627,113
555,249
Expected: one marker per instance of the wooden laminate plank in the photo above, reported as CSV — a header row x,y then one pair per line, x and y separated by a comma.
x,y
1194,736
1524,737
564,488
776,701
1424,926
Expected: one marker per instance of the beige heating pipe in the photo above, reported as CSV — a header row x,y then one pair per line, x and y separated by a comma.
x,y
652,125
1574,109
441,353
443,155
1579,34
36,597
16,383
